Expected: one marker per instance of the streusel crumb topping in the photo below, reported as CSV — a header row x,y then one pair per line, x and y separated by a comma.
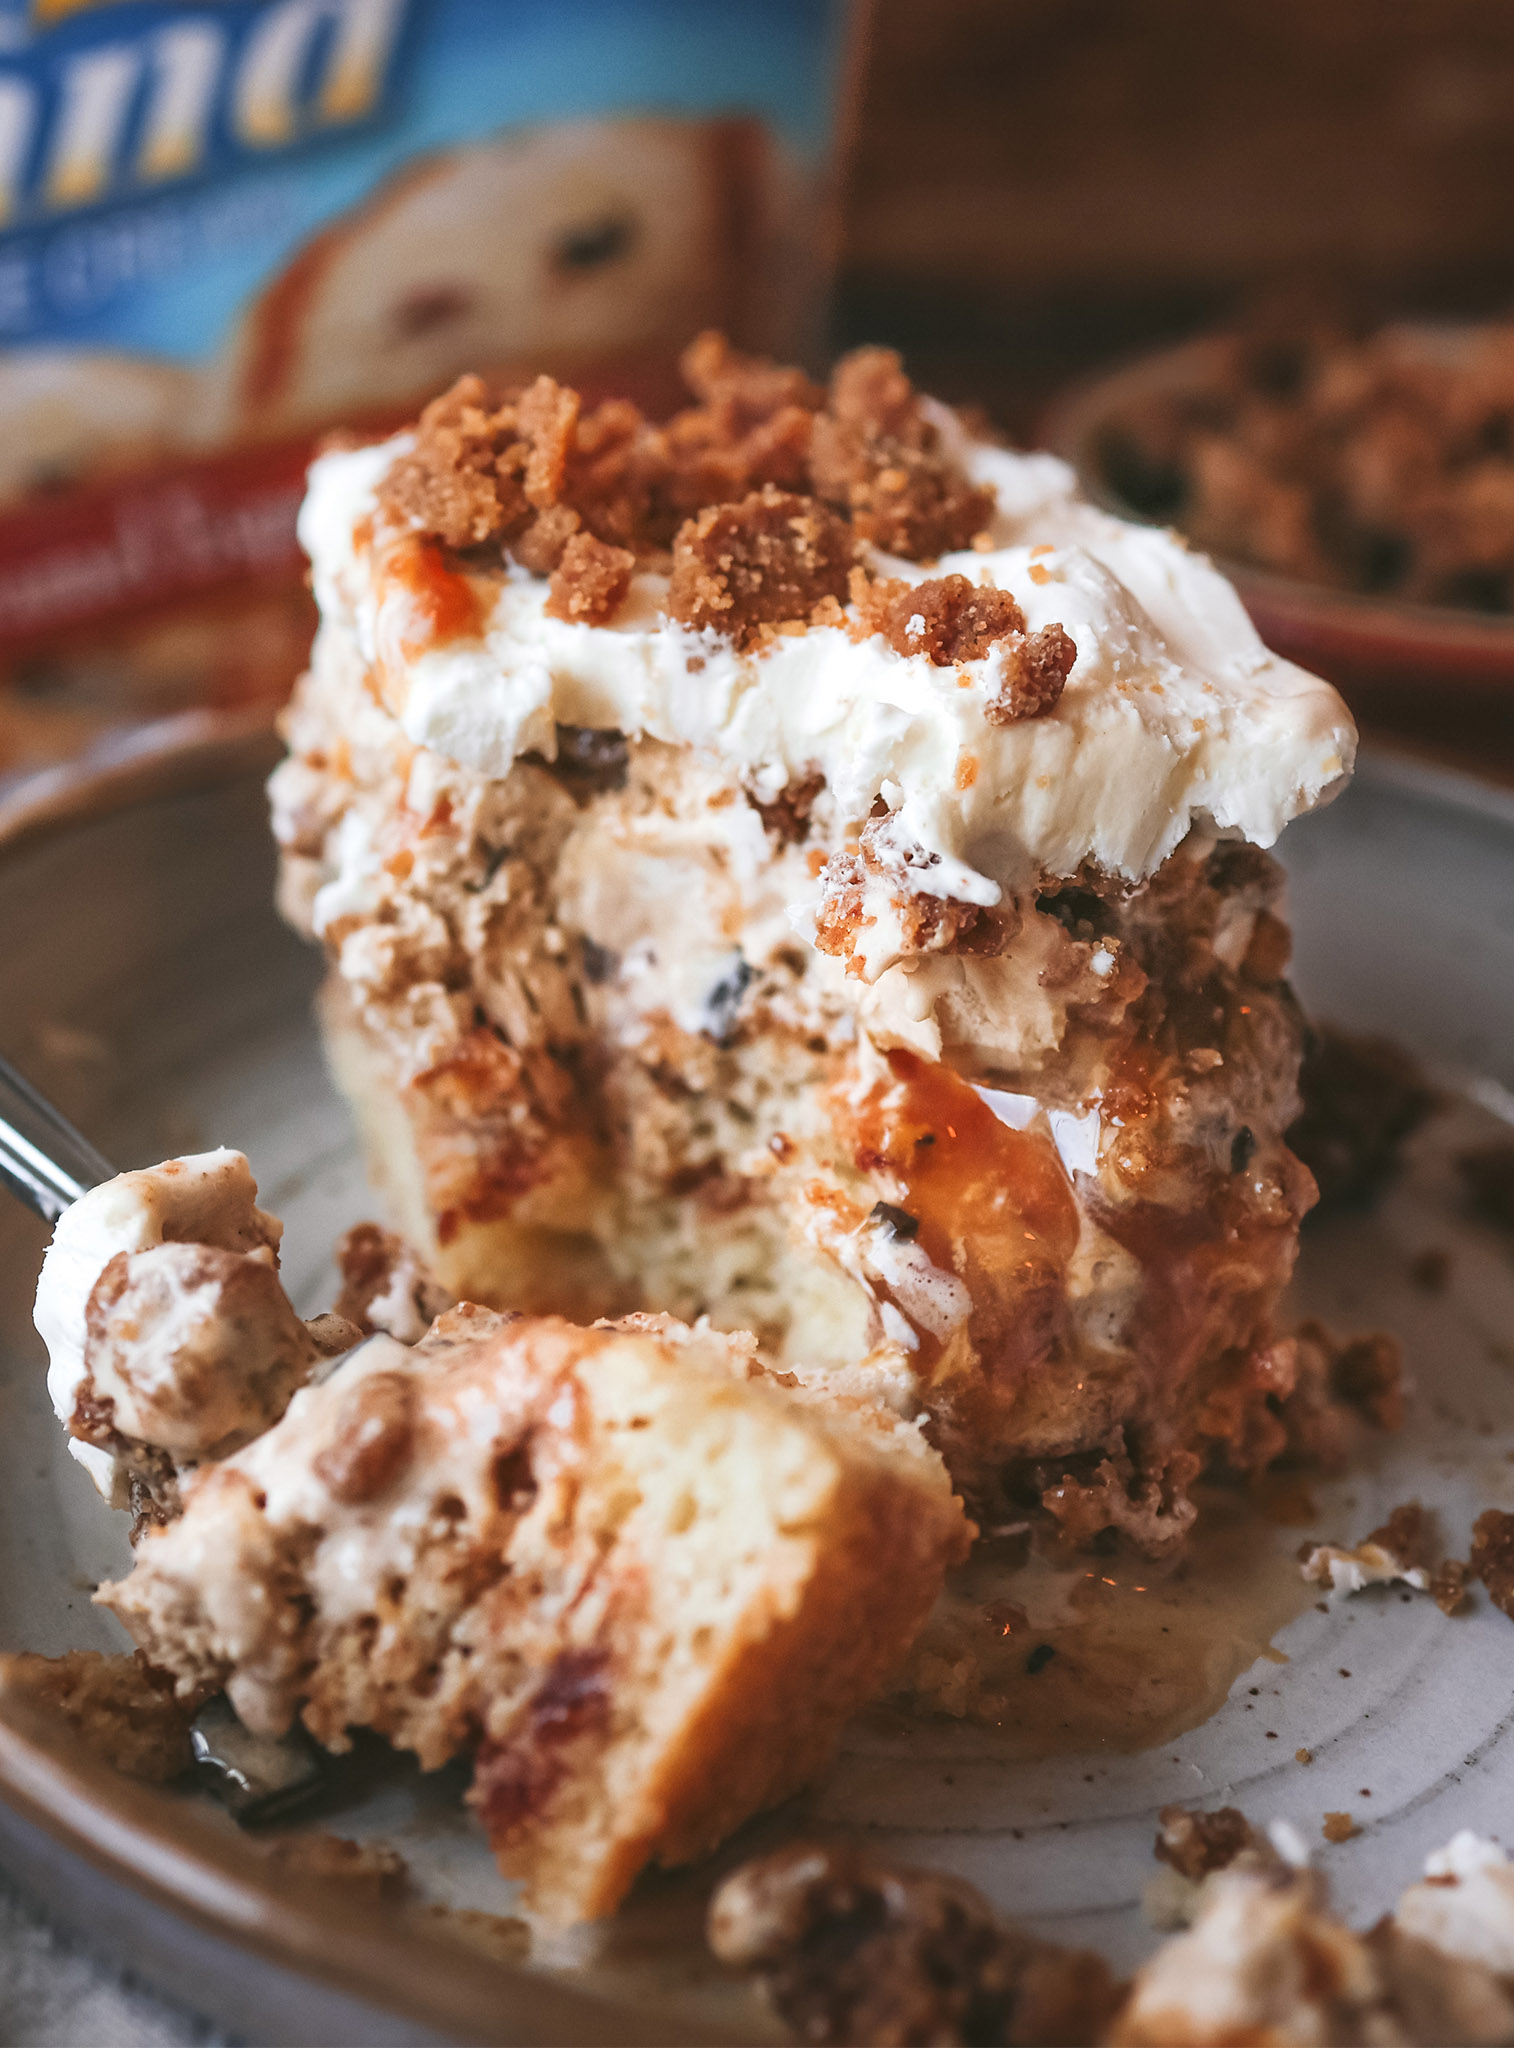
x,y
768,559
762,490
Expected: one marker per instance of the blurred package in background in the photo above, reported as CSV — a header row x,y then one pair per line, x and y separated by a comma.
x,y
227,226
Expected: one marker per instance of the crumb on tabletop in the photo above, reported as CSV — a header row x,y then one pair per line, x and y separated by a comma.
x,y
1339,1827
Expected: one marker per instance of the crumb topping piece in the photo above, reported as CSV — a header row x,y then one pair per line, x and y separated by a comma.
x,y
946,618
527,471
1398,1551
878,455
1493,1556
590,582
767,560
1035,671
849,1948
580,496
751,426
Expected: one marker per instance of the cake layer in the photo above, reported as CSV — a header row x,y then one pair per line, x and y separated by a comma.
x,y
640,1583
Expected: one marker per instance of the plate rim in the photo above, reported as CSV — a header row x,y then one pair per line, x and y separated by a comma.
x,y
1479,646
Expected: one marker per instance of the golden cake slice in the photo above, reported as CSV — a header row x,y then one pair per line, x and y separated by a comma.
x,y
801,865
640,1582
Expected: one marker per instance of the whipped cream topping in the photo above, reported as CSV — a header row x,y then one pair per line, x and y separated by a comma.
x,y
1174,713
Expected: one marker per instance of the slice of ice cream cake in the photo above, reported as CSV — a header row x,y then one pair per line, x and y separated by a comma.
x,y
800,864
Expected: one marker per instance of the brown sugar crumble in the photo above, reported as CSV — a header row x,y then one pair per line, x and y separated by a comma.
x,y
569,493
752,426
1036,669
589,584
763,561
1194,1844
849,1948
762,489
1492,1558
1339,1827
877,455
946,618
526,472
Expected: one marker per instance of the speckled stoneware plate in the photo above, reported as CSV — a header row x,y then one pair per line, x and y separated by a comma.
x,y
145,982
1372,647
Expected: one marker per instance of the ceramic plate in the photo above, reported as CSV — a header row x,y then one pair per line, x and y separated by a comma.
x,y
146,984
1367,645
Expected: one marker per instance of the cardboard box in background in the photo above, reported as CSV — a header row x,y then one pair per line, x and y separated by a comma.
x,y
227,226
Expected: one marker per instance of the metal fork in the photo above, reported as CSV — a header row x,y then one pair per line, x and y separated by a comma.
x,y
47,1165
43,1160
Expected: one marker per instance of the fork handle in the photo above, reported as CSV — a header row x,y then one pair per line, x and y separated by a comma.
x,y
43,1160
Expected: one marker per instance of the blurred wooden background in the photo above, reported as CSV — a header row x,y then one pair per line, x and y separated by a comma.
x,y
1040,185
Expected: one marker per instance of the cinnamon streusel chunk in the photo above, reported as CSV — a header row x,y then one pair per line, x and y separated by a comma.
x,y
877,452
770,558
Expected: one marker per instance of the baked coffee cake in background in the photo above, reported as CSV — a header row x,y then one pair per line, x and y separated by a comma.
x,y
799,864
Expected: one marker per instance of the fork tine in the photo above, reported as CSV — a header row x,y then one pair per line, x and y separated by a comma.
x,y
43,1160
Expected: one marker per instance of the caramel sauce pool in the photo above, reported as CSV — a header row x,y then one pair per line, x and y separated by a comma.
x,y
1085,1653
